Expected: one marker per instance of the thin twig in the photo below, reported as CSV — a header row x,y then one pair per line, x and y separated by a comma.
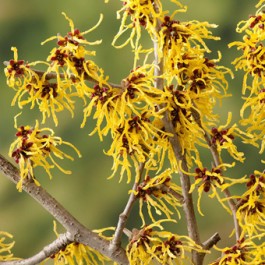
x,y
166,189
54,75
80,233
116,241
209,243
188,206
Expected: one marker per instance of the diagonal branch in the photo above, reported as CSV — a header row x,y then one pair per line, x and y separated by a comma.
x,y
116,241
79,232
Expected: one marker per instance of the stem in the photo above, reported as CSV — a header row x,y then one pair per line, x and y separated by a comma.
x,y
208,244
188,207
217,163
192,226
116,241
53,75
80,233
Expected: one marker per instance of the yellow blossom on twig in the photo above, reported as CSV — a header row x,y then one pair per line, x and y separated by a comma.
x,y
245,251
33,147
151,246
210,181
77,253
223,137
159,193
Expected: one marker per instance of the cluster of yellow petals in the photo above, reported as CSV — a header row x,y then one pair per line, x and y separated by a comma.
x,y
211,182
37,147
251,210
245,251
149,246
252,63
130,114
137,14
76,253
6,247
160,194
67,68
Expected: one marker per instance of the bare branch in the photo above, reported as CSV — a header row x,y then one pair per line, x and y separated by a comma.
x,y
79,232
209,243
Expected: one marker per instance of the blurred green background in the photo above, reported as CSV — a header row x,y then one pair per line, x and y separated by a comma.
x,y
87,194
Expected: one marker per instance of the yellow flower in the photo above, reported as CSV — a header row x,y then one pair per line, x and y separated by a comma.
x,y
130,113
5,248
250,206
69,60
75,37
253,108
77,253
223,137
33,147
245,251
210,181
136,140
140,13
175,35
251,61
18,73
149,246
158,193
67,64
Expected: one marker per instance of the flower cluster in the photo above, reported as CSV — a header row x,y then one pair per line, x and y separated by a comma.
x,y
140,14
245,251
158,117
76,253
250,206
151,246
252,62
223,136
67,64
33,147
131,114
157,193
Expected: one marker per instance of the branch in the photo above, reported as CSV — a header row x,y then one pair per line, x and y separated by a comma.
x,y
209,243
116,241
79,232
188,207
49,250
217,162
177,195
54,75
